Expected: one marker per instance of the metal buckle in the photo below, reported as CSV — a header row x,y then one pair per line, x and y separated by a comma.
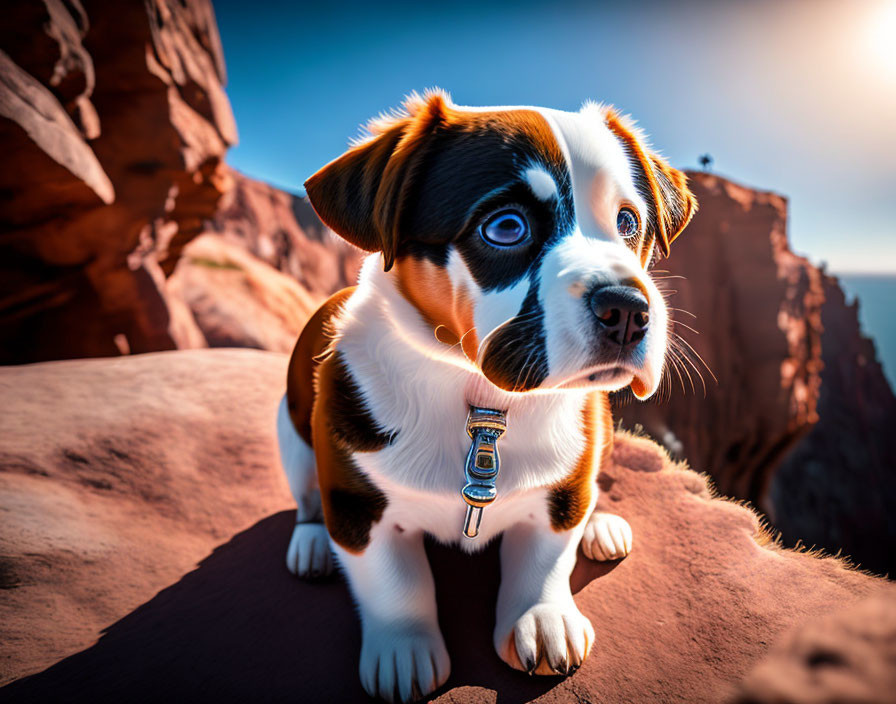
x,y
484,426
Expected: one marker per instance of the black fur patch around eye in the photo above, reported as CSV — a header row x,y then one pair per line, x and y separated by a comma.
x,y
516,358
472,169
495,268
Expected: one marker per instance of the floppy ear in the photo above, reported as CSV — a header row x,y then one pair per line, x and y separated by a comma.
x,y
363,194
678,203
670,203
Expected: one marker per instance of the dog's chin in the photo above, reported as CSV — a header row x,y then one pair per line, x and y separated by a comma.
x,y
605,379
612,378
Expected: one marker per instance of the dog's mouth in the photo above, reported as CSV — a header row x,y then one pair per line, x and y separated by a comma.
x,y
608,377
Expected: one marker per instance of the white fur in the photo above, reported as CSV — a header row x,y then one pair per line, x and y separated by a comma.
x,y
574,266
536,612
606,537
298,464
412,382
308,554
541,183
601,173
594,253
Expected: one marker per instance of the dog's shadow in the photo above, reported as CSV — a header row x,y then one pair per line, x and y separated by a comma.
x,y
241,628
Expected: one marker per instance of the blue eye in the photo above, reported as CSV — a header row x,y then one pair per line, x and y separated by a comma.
x,y
627,224
505,228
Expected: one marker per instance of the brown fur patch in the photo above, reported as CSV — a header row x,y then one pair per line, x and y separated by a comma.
x,y
350,501
325,407
315,338
568,499
447,309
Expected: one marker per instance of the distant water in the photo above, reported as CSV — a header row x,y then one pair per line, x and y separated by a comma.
x,y
877,300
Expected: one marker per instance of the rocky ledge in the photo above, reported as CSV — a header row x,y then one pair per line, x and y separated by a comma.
x,y
145,521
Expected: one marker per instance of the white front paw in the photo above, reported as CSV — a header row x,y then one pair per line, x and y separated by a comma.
x,y
606,537
549,639
308,554
401,663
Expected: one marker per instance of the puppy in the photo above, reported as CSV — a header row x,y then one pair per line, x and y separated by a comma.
x,y
510,272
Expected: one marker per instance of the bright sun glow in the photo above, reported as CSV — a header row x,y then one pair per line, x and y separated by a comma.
x,y
882,35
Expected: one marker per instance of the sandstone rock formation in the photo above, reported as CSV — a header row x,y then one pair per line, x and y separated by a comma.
x,y
845,656
114,124
751,310
236,299
261,268
837,488
788,358
119,475
283,230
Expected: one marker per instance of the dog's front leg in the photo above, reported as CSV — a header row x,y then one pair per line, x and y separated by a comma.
x,y
403,654
539,629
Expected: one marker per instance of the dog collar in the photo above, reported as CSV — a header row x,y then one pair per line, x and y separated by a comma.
x,y
484,426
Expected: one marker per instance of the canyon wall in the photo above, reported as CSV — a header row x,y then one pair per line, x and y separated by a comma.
x,y
837,488
260,269
113,126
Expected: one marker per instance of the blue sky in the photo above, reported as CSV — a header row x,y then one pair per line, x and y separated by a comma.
x,y
795,96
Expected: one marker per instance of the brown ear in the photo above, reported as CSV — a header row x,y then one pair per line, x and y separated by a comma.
x,y
678,203
665,189
363,194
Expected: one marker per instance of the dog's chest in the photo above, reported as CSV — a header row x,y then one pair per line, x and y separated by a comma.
x,y
425,407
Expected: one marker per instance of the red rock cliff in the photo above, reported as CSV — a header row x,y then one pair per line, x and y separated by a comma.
x,y
261,268
114,124
837,488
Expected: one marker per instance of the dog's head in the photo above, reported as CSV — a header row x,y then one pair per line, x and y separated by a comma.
x,y
522,235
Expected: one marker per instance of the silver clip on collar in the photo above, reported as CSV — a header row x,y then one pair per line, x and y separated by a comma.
x,y
484,426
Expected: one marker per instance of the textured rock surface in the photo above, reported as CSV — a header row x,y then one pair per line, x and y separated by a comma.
x,y
236,299
143,467
769,323
119,475
837,489
113,124
847,656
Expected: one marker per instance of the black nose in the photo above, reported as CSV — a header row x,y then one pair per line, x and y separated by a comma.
x,y
621,313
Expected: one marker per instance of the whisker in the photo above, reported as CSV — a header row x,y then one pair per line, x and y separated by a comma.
x,y
676,367
685,356
684,325
682,310
527,368
697,355
690,378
